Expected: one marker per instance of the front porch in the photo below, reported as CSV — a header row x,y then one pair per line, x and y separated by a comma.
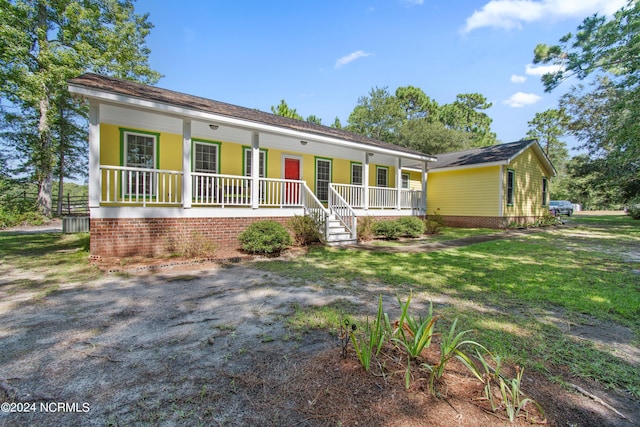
x,y
151,193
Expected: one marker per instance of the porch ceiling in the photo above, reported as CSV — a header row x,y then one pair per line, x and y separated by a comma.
x,y
144,119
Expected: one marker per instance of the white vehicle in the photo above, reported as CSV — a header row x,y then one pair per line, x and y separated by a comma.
x,y
561,207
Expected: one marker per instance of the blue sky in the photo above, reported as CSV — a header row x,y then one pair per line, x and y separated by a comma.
x,y
321,56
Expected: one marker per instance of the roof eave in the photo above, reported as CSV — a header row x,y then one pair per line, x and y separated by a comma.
x,y
472,166
116,98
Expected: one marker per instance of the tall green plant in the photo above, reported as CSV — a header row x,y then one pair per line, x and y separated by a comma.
x,y
451,347
414,335
371,341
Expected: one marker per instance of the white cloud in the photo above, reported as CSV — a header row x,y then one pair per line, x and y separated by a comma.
x,y
518,79
351,57
540,70
520,99
510,14
413,1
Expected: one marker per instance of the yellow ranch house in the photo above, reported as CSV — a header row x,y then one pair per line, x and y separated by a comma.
x,y
164,166
491,186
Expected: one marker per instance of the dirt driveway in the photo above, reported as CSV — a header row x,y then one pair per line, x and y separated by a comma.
x,y
209,345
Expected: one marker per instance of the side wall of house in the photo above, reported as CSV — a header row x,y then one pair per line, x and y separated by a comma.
x,y
470,192
528,204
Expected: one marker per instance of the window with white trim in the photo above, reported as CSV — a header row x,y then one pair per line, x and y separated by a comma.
x,y
262,162
382,176
405,181
206,157
356,173
545,191
140,152
323,178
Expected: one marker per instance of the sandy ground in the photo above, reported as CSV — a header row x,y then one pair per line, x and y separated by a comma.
x,y
209,345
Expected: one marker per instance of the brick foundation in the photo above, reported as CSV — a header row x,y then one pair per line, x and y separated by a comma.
x,y
129,237
486,221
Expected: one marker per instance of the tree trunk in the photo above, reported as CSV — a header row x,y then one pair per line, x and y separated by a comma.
x,y
44,164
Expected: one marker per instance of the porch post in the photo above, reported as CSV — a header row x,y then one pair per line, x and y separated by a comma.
x,y
186,164
365,180
95,189
424,187
255,170
398,182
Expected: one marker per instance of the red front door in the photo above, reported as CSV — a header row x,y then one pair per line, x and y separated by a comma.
x,y
291,190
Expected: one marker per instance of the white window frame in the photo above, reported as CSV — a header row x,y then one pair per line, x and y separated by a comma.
x,y
353,181
406,181
324,182
147,179
199,143
386,176
262,169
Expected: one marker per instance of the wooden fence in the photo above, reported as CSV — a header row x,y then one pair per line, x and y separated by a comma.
x,y
71,205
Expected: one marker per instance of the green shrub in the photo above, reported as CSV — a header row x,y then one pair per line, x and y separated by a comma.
x,y
634,209
434,223
389,229
265,237
411,226
365,228
304,229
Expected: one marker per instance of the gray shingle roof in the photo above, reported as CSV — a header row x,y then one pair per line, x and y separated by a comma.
x,y
156,94
477,156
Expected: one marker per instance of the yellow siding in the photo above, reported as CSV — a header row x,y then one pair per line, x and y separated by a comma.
x,y
466,192
231,158
415,180
528,186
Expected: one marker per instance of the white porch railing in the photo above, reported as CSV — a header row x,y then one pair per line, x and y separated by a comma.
x,y
352,194
343,211
140,186
220,190
379,197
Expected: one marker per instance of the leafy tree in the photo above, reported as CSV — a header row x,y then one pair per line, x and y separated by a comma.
x,y
415,104
336,123
432,138
466,114
377,116
45,43
285,111
313,119
606,120
548,127
587,184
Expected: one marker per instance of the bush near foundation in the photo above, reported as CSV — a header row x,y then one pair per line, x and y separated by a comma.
x,y
304,229
265,237
411,226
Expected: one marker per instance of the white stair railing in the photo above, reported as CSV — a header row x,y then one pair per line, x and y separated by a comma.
x,y
315,209
339,207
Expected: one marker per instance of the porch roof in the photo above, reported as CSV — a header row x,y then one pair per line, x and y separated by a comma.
x,y
127,92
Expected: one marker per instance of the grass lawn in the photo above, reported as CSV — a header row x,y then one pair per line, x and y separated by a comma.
x,y
581,273
509,289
